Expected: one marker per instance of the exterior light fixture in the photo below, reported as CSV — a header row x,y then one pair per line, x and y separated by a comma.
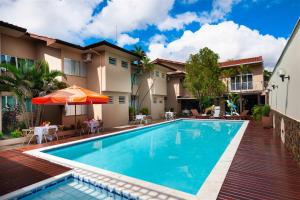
x,y
274,86
282,75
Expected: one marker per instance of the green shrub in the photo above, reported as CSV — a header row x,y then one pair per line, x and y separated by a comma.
x,y
131,110
144,111
1,134
16,133
266,110
259,111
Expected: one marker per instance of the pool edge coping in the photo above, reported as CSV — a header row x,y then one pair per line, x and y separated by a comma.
x,y
209,189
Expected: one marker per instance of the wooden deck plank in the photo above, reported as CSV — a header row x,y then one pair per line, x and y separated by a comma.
x,y
261,169
19,170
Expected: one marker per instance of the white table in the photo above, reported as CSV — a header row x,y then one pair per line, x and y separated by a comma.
x,y
140,118
93,125
169,115
39,131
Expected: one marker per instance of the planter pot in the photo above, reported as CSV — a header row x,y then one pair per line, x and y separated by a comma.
x,y
131,117
13,141
266,122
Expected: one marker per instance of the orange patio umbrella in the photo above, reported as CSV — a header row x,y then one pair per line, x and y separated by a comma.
x,y
73,95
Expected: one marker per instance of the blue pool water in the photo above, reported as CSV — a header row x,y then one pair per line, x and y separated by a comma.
x,y
178,155
70,188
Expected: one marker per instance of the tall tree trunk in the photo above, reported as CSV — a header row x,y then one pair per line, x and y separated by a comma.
x,y
38,115
140,103
26,119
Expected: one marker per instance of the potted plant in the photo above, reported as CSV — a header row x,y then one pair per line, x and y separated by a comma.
x,y
144,111
261,114
131,113
266,119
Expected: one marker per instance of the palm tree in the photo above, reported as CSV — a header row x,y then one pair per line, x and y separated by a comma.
x,y
44,82
26,82
143,66
15,80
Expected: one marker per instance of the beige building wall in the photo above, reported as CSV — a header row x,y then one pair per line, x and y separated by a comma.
x,y
102,77
173,91
257,79
116,78
158,107
160,83
153,87
18,47
284,98
116,114
51,55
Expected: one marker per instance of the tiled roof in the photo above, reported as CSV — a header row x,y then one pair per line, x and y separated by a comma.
x,y
53,40
157,60
231,63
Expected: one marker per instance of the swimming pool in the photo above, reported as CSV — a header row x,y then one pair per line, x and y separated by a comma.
x,y
66,186
178,155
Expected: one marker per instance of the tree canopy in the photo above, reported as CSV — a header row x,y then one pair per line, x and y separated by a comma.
x,y
203,75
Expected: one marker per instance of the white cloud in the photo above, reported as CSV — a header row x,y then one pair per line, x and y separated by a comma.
x,y
74,21
229,40
188,1
59,19
158,38
128,15
178,22
220,8
125,39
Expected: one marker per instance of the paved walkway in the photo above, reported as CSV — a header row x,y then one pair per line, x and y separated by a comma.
x,y
262,169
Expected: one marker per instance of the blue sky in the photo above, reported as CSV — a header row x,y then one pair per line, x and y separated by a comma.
x,y
171,29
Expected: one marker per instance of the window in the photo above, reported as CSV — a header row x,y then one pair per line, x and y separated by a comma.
x,y
121,99
112,61
161,100
8,101
110,99
124,64
157,73
9,60
241,82
80,110
163,75
154,99
73,67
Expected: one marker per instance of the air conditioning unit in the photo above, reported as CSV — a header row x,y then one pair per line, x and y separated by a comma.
x,y
87,57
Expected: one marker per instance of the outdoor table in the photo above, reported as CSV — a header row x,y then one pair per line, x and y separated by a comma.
x,y
39,131
93,125
169,115
140,118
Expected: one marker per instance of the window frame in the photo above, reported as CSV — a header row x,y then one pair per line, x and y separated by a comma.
x,y
122,101
124,62
240,84
110,99
110,58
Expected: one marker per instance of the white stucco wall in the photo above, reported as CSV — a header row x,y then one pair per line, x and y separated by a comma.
x,y
285,98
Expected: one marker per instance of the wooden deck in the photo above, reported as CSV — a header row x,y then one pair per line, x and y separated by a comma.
x,y
18,170
262,169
